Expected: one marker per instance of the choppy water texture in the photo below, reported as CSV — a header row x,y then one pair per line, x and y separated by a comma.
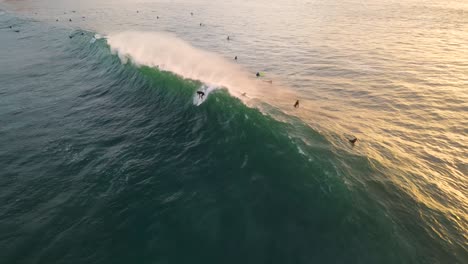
x,y
108,156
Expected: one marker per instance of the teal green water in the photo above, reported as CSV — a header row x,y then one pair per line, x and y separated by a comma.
x,y
104,162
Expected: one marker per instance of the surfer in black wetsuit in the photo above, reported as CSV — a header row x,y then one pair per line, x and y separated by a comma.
x,y
235,58
296,105
258,74
200,94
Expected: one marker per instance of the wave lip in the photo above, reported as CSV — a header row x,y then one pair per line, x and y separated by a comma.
x,y
168,53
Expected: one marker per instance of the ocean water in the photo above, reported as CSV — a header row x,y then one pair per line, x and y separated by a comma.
x,y
107,155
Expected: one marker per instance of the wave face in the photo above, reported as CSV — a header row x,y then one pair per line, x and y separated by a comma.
x,y
105,162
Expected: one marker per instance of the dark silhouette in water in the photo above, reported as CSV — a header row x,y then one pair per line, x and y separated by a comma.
x,y
70,36
352,141
235,58
258,74
70,20
296,105
191,13
17,31
56,20
157,17
228,38
11,27
200,94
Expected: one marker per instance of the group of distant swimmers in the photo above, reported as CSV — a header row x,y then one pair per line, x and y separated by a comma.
x,y
16,30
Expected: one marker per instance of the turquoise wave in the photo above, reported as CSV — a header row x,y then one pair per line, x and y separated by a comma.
x,y
114,163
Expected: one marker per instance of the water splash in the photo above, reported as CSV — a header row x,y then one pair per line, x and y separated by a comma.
x,y
168,53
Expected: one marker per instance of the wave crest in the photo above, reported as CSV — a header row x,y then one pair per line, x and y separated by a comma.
x,y
169,53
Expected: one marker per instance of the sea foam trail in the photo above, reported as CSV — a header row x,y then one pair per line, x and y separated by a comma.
x,y
169,53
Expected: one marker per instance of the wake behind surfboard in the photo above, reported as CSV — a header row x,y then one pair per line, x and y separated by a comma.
x,y
197,99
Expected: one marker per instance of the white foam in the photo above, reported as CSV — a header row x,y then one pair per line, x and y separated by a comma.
x,y
197,100
169,53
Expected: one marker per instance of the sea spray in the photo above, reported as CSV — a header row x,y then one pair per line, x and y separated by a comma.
x,y
168,53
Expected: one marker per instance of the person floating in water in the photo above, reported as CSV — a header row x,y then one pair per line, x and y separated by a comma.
x,y
191,13
157,17
200,94
70,20
296,105
258,74
228,38
353,140
235,58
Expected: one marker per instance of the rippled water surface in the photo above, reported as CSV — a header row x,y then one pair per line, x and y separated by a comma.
x,y
108,157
